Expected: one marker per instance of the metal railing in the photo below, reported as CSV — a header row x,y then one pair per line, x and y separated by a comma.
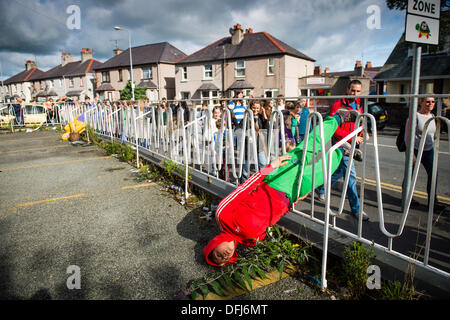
x,y
195,145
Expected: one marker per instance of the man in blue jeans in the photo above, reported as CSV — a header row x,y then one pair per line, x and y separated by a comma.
x,y
351,103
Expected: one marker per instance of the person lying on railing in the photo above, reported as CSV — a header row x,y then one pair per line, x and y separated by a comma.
x,y
244,215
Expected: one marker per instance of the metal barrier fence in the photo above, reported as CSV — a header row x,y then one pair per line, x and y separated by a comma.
x,y
215,148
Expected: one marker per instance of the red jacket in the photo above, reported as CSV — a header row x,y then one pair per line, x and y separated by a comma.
x,y
348,127
245,214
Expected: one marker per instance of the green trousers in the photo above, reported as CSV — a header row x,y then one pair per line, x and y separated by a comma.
x,y
286,178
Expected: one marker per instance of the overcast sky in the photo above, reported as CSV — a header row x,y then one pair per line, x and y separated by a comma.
x,y
335,33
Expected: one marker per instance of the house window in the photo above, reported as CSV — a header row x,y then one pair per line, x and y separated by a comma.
x,y
240,68
270,66
185,95
50,83
60,83
81,81
212,96
184,74
147,73
71,82
42,85
208,73
120,75
105,76
270,93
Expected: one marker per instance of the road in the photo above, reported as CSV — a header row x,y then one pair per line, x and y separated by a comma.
x,y
63,206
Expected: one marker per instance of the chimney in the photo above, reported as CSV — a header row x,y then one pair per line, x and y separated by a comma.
x,y
359,70
326,70
249,30
117,51
66,58
317,71
237,35
30,65
368,65
86,54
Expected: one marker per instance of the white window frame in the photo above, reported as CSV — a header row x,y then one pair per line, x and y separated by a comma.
x,y
205,76
269,65
71,82
184,75
60,83
185,95
274,93
147,69
212,96
239,68
107,77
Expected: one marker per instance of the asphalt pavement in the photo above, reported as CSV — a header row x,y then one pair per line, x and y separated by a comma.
x,y
65,208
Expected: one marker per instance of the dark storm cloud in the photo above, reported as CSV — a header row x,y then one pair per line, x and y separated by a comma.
x,y
332,32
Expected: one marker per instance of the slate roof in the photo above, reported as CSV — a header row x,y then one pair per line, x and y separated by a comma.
x,y
147,54
75,68
241,84
398,66
24,76
105,87
253,45
86,67
147,83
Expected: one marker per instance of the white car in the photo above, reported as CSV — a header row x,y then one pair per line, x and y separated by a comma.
x,y
6,117
34,115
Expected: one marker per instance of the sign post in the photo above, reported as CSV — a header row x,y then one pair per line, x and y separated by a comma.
x,y
421,27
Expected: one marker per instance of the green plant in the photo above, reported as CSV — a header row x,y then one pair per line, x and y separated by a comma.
x,y
356,260
395,290
139,92
275,252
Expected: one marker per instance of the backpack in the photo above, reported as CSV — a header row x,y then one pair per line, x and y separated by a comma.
x,y
400,141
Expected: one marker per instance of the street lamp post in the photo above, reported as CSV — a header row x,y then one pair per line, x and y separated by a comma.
x,y
131,59
3,90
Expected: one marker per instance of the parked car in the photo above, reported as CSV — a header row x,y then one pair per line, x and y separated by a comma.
x,y
34,115
6,116
379,113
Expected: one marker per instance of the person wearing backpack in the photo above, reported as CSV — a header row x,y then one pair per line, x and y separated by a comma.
x,y
426,105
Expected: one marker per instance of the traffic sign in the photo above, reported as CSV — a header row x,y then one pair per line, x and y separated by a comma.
x,y
422,21
426,8
422,30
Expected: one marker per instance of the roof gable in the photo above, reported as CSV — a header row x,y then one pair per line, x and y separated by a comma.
x,y
26,75
253,44
146,54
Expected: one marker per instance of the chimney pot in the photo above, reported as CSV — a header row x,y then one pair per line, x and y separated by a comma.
x,y
368,64
237,35
317,70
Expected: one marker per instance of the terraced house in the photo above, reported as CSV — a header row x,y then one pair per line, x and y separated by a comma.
x,y
153,68
21,84
72,79
257,63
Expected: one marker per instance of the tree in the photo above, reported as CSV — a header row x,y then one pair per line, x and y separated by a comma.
x,y
139,92
444,32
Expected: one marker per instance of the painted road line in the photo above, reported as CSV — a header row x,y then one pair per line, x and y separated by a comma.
x,y
395,147
139,186
391,187
32,203
31,139
54,164
35,149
